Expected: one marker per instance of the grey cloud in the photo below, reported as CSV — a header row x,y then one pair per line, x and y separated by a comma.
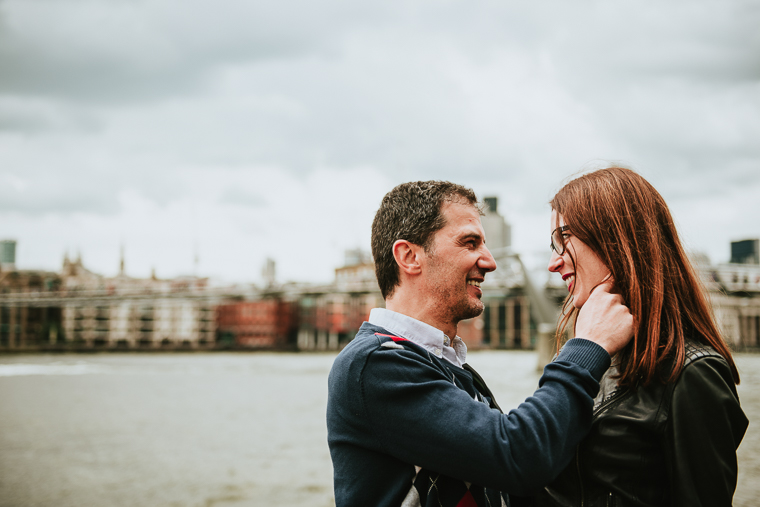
x,y
64,184
129,51
339,85
707,41
23,122
32,117
55,195
162,106
242,197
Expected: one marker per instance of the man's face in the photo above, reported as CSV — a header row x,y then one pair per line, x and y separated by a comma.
x,y
457,263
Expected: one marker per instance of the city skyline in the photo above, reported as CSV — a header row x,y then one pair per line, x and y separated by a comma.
x,y
239,131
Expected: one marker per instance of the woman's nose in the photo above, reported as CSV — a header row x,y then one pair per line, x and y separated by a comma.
x,y
555,262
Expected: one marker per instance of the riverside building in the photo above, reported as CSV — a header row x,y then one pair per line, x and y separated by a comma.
x,y
78,309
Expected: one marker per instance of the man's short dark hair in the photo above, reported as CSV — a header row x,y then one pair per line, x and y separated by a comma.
x,y
411,211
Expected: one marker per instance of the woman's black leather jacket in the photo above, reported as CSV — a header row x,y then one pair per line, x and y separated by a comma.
x,y
663,445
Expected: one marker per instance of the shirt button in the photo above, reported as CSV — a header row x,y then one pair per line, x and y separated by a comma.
x,y
437,351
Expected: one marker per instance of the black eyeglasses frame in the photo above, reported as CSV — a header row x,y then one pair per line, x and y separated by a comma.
x,y
558,242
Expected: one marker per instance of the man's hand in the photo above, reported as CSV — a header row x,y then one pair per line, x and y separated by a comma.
x,y
605,320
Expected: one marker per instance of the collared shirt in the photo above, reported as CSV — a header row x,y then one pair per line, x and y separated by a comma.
x,y
426,336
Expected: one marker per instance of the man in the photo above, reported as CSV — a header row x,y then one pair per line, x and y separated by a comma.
x,y
409,422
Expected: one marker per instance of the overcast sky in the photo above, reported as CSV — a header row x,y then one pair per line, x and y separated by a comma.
x,y
243,130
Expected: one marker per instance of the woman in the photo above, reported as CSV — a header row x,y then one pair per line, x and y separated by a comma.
x,y
667,420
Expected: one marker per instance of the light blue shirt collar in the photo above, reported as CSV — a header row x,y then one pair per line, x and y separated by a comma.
x,y
426,336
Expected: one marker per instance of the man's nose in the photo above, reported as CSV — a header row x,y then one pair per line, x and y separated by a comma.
x,y
487,262
555,262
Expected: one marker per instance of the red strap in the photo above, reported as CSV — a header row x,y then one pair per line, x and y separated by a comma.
x,y
394,338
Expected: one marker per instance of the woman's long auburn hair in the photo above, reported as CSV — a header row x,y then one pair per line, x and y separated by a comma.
x,y
626,222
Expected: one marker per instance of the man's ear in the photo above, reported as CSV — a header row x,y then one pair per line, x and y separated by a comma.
x,y
408,256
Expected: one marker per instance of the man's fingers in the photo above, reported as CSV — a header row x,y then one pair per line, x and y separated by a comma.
x,y
605,319
608,285
605,286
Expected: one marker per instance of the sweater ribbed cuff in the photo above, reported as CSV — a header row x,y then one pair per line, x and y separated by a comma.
x,y
587,354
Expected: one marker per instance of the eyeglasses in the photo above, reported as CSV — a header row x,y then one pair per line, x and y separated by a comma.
x,y
558,239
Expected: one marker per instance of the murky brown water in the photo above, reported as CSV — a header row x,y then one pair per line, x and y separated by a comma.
x,y
208,429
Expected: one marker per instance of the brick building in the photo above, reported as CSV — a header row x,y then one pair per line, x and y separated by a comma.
x,y
266,323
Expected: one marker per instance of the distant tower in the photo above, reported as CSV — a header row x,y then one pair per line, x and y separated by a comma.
x,y
8,255
498,231
68,266
745,252
121,261
356,256
492,204
268,272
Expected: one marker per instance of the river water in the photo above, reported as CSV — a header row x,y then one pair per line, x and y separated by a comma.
x,y
210,429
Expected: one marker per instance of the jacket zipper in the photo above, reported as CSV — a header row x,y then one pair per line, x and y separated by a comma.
x,y
615,396
580,476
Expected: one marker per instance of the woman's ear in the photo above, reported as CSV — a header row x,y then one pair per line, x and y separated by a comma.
x,y
407,256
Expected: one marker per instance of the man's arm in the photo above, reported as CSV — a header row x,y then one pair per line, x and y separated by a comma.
x,y
428,421
420,417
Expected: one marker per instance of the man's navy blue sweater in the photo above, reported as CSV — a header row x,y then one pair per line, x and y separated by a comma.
x,y
406,426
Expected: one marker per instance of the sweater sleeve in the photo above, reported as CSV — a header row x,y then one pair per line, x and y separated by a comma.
x,y
705,427
421,417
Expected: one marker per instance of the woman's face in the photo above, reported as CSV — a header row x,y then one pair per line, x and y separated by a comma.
x,y
585,273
